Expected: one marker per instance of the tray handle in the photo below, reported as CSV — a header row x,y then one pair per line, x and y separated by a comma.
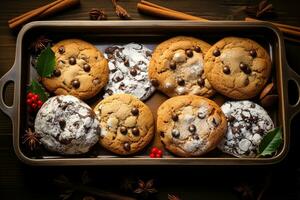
x,y
8,77
293,76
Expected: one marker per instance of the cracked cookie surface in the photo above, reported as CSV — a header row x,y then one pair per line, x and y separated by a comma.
x,y
67,125
176,67
190,125
81,69
128,66
237,67
248,123
127,124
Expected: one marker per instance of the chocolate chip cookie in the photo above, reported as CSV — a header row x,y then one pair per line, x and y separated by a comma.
x,y
126,124
67,125
177,67
81,69
128,66
190,125
248,123
237,67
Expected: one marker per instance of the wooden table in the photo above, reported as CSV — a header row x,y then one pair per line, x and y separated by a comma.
x,y
18,181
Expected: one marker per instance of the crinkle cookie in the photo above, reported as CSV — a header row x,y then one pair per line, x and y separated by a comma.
x,y
237,67
67,125
177,67
248,123
126,124
128,66
81,69
190,125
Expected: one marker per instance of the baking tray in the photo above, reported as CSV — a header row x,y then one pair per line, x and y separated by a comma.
x,y
149,33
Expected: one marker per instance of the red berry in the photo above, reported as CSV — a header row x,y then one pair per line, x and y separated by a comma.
x,y
158,155
33,98
152,155
33,105
36,96
159,152
29,95
29,101
154,150
39,103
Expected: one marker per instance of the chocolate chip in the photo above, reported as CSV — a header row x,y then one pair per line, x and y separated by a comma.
x,y
110,50
57,72
109,91
189,53
192,128
135,111
226,70
126,62
148,53
127,146
123,130
235,130
62,124
175,133
200,82
197,49
201,115
230,118
243,66
133,72
216,52
162,134
72,60
154,82
174,117
135,131
110,56
86,67
61,49
180,82
173,65
252,105
195,137
122,86
76,84
215,123
247,70
253,53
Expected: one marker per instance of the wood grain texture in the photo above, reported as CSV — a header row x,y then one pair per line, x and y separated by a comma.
x,y
18,181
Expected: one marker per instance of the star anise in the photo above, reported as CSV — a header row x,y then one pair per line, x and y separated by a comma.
x,y
97,14
245,191
173,197
120,11
263,9
31,139
39,44
145,188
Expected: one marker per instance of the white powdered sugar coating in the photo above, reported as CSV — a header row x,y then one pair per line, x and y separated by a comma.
x,y
120,78
204,127
248,123
67,125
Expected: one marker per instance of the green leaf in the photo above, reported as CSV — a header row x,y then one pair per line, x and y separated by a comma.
x,y
46,63
37,88
270,142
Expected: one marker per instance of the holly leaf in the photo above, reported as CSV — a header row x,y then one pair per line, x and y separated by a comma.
x,y
37,88
46,63
270,142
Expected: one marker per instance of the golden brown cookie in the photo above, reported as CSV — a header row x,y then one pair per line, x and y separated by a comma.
x,y
81,69
237,67
190,125
176,67
127,124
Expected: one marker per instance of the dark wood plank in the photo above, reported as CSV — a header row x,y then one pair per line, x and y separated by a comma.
x,y
18,181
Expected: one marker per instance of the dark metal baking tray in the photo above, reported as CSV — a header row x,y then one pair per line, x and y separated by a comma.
x,y
149,33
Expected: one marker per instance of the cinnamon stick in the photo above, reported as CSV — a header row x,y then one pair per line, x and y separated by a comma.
x,y
42,12
156,10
